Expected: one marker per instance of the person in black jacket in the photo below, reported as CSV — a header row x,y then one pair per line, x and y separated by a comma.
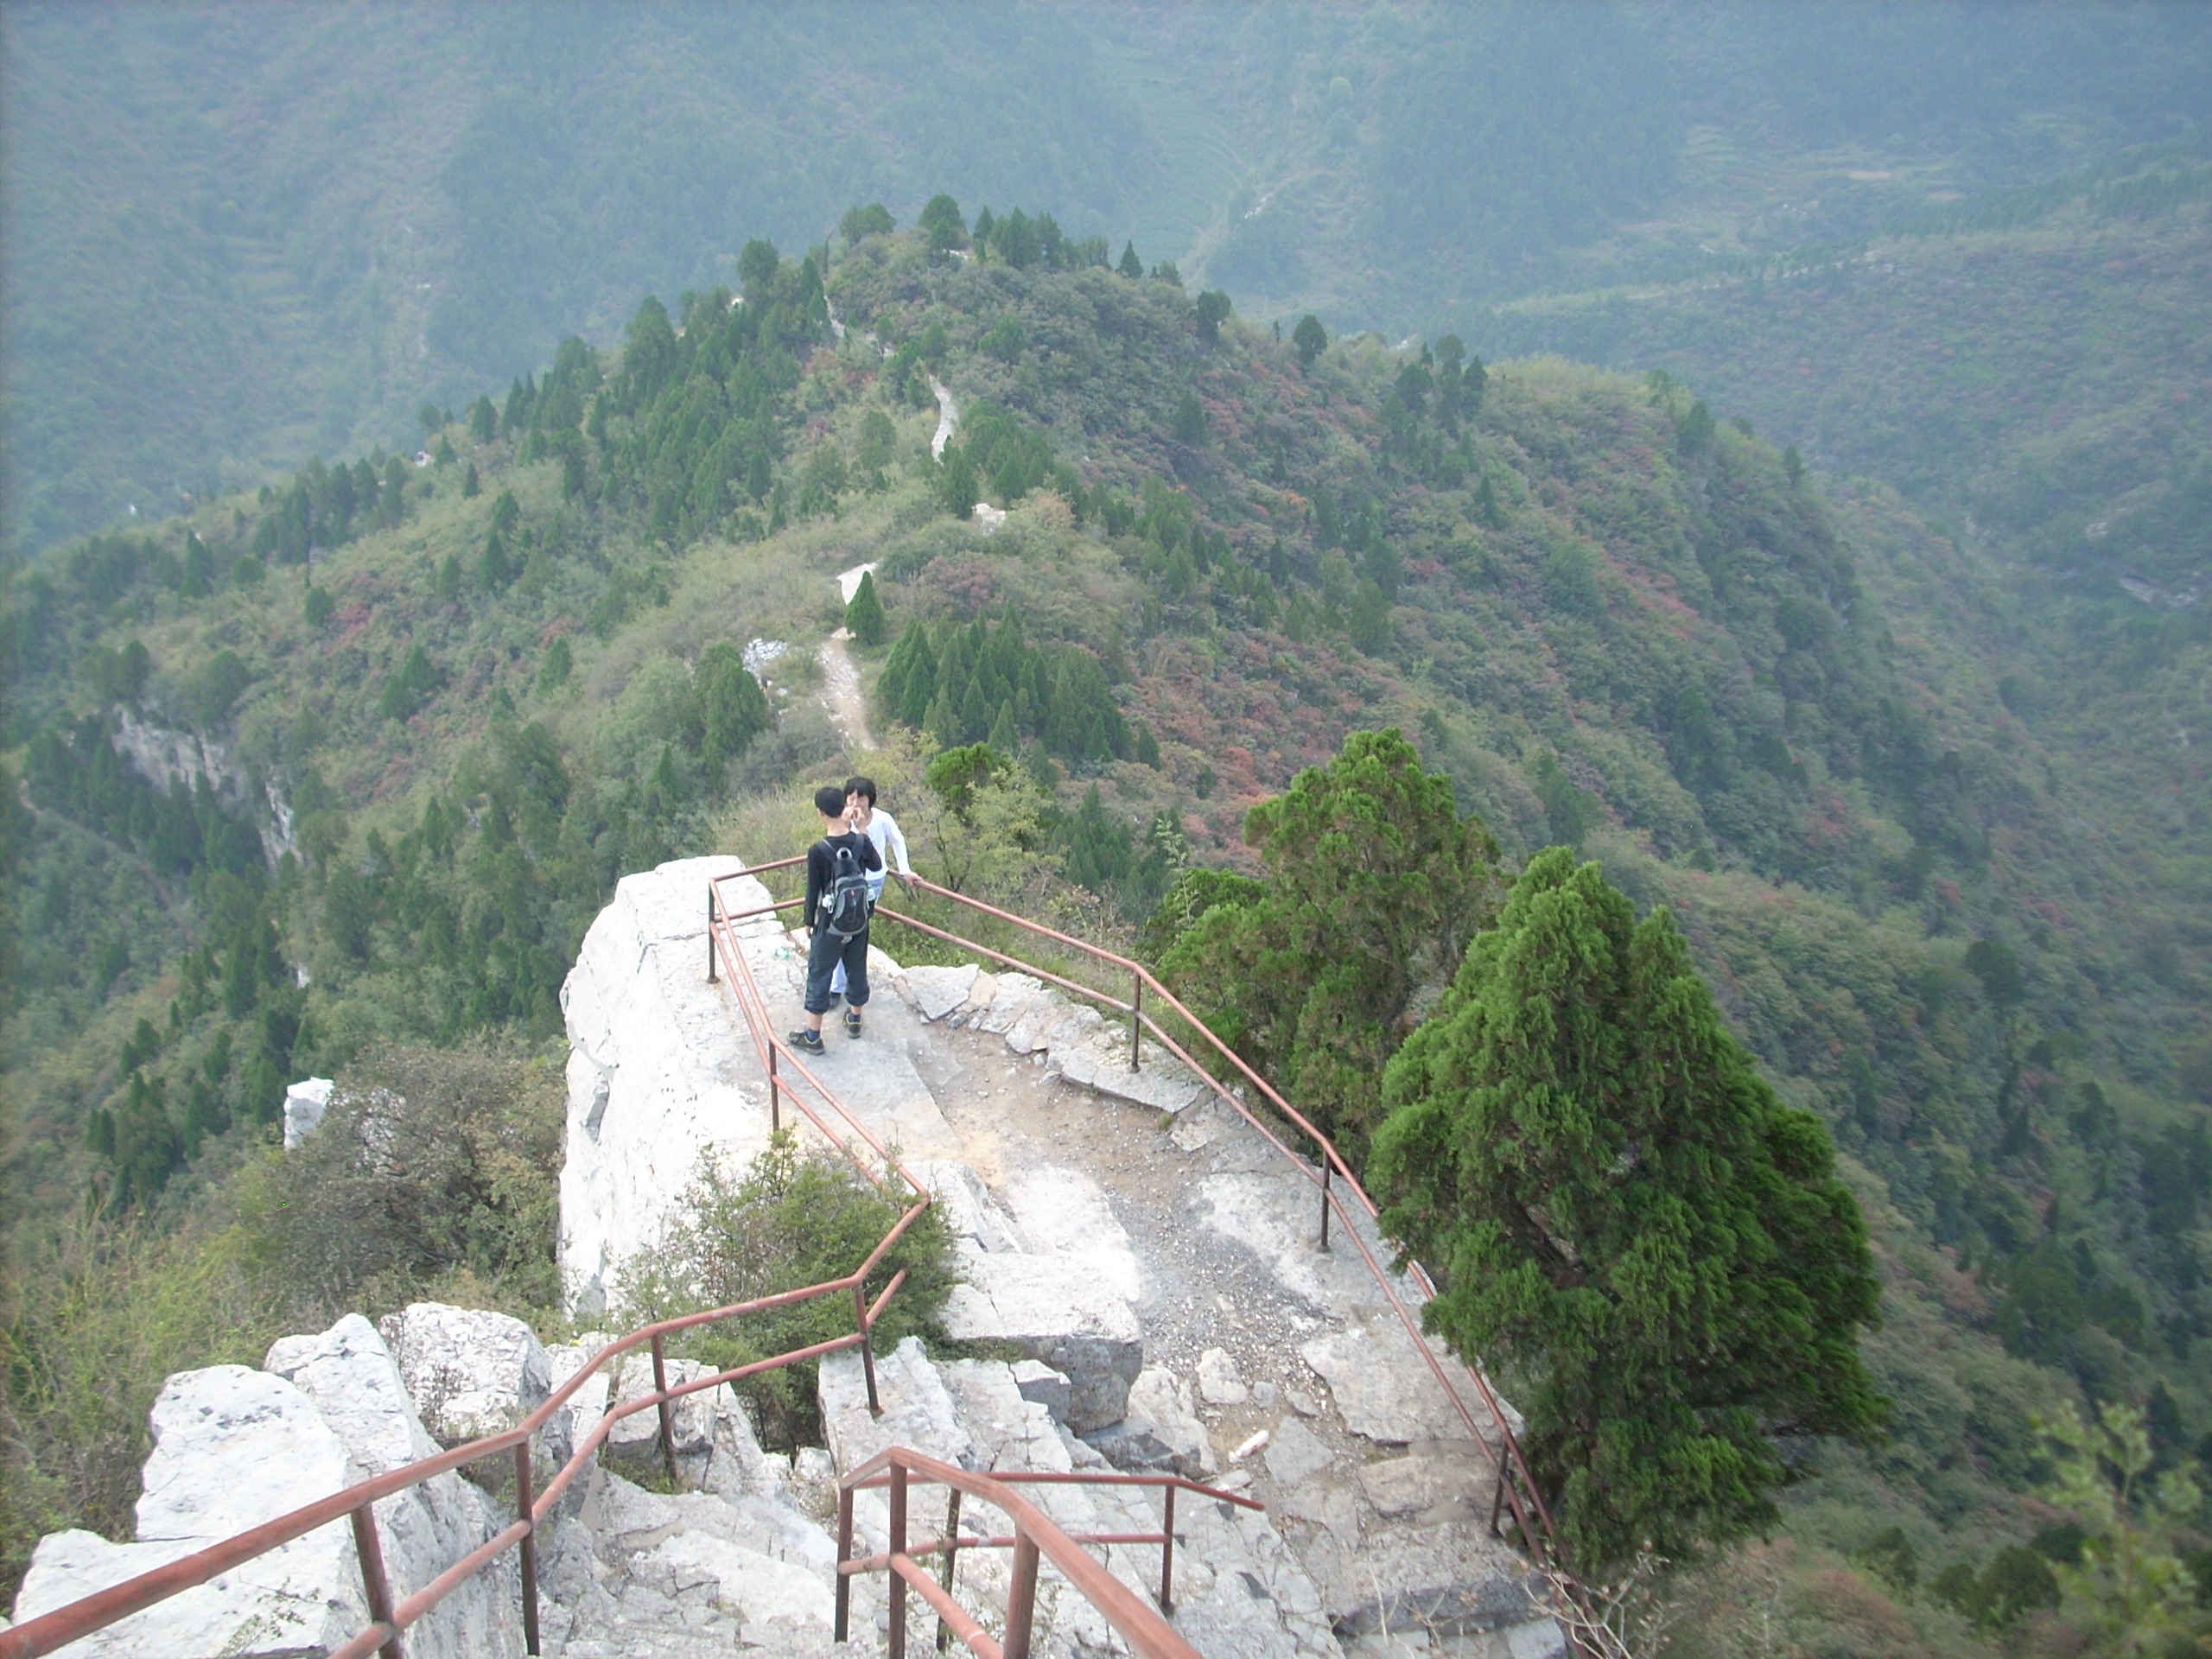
x,y
826,949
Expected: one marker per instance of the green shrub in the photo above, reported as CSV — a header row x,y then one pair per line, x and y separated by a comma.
x,y
789,1219
435,1171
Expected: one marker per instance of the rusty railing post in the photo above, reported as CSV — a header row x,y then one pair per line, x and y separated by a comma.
x,y
1327,1169
951,1548
897,1639
1020,1597
524,1502
371,1554
667,1411
710,944
1167,1553
868,1347
775,1091
840,1626
1136,1021
1497,1492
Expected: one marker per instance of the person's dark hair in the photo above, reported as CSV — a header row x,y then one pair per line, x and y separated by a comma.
x,y
829,801
857,785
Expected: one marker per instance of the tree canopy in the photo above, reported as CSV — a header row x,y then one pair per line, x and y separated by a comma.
x,y
1375,885
1625,1218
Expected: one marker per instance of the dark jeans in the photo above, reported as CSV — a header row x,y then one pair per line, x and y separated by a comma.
x,y
823,955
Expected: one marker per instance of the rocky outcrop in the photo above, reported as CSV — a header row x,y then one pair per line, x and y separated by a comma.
x,y
234,1447
305,1102
659,1072
471,1372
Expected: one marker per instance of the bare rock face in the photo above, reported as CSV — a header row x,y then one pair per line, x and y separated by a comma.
x,y
473,1372
234,1447
660,1070
305,1102
355,1383
1057,1278
1159,1430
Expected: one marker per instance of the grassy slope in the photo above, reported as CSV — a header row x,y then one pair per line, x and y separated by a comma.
x,y
1549,634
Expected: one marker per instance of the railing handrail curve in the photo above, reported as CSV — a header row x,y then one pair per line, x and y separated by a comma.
x,y
1537,1528
1142,1626
81,1617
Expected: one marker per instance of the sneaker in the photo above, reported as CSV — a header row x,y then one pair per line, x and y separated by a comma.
x,y
852,1022
805,1041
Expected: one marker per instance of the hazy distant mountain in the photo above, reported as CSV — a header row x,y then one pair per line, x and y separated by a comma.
x,y
239,234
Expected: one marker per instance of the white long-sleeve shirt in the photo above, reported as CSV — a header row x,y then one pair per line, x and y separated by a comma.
x,y
890,843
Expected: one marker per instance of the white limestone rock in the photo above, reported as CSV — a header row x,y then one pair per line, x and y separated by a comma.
x,y
1159,1430
232,1447
305,1102
575,1421
1057,1278
471,1372
1010,994
1384,1389
1042,1385
672,1571
660,1065
1295,1453
1031,1027
355,1384
936,992
1220,1383
1163,1084
917,1410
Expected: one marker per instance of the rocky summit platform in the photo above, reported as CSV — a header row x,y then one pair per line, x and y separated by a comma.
x,y
1144,1266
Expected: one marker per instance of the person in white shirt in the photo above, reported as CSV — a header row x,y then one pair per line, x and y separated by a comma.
x,y
883,829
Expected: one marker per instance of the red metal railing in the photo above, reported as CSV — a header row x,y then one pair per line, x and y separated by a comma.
x,y
1516,1487
1034,1534
789,1078
388,1620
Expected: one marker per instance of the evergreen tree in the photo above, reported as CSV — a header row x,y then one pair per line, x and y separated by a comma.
x,y
1016,240
1098,850
1189,420
483,421
874,219
757,269
956,482
864,613
942,224
909,682
1616,1204
413,681
1213,308
392,500
494,569
1375,885
199,568
733,709
469,483
1131,266
1310,339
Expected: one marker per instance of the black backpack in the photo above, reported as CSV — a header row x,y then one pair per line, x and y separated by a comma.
x,y
843,907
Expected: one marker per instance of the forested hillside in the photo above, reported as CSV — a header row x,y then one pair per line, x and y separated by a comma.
x,y
351,762
318,219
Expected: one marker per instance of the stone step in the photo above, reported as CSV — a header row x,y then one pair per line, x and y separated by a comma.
x,y
1239,1590
637,1572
